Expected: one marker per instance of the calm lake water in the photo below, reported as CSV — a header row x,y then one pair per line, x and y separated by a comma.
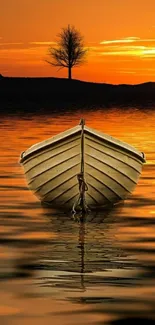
x,y
54,270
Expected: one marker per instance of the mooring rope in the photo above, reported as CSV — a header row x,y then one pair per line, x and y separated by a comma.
x,y
82,184
81,202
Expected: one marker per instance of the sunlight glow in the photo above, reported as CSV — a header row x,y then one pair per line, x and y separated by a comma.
x,y
123,40
120,40
42,43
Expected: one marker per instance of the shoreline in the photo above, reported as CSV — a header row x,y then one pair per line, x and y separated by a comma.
x,y
33,94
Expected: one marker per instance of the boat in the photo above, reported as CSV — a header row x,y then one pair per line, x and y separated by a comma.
x,y
82,169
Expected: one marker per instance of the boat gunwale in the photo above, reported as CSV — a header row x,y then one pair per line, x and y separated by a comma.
x,y
54,140
116,143
74,131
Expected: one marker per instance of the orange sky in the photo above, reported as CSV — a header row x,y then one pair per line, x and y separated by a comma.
x,y
120,35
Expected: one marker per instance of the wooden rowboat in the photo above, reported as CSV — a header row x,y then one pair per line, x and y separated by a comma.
x,y
82,168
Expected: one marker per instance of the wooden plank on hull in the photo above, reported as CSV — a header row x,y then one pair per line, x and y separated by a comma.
x,y
136,156
96,195
112,162
90,199
111,184
107,165
50,153
52,162
53,194
102,188
100,136
57,139
65,196
70,202
53,172
90,145
55,182
122,180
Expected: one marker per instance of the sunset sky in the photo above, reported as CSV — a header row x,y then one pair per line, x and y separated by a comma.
x,y
120,36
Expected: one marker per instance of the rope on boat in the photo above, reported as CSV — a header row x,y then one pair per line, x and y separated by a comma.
x,y
82,184
81,202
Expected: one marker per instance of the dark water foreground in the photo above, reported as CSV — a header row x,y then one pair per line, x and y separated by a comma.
x,y
55,269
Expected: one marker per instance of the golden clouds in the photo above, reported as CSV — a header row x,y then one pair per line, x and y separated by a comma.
x,y
129,59
126,47
122,40
42,43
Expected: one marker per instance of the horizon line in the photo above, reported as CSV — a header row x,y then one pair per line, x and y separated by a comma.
x,y
86,81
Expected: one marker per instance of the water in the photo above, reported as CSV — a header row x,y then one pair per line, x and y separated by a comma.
x,y
54,269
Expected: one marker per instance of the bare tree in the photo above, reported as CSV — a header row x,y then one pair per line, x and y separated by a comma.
x,y
69,51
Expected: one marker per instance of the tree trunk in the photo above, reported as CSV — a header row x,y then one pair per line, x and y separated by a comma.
x,y
69,73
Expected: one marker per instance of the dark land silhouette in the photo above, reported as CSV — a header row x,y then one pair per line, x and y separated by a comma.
x,y
45,95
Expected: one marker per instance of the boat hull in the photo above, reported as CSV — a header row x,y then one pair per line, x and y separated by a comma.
x,y
111,169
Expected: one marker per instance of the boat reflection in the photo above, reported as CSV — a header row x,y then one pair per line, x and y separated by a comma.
x,y
84,251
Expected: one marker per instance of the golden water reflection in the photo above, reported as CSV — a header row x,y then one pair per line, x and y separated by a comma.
x,y
55,269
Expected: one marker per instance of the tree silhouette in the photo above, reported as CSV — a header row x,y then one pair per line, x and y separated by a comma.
x,y
69,51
